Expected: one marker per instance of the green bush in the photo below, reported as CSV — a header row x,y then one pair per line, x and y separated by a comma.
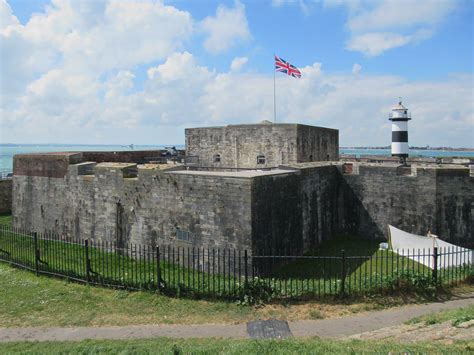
x,y
409,281
462,319
255,292
470,275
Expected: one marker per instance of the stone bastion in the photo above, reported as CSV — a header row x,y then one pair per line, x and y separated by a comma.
x,y
122,198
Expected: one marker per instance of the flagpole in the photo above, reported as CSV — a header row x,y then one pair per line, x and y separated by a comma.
x,y
274,93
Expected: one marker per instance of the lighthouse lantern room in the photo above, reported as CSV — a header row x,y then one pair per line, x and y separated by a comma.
x,y
400,117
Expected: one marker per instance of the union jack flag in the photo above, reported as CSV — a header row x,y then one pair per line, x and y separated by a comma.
x,y
284,67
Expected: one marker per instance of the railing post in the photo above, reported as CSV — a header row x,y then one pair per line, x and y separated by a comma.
x,y
246,266
88,262
37,254
343,272
435,265
158,270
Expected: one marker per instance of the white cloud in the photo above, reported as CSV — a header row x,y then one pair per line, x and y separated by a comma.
x,y
61,106
60,94
356,68
98,35
304,5
381,25
390,14
238,63
6,16
378,26
375,43
227,28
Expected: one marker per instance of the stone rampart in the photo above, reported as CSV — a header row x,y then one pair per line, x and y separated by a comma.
x,y
296,211
291,208
120,202
44,164
415,199
129,156
6,196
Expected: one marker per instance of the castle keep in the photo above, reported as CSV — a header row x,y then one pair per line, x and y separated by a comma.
x,y
262,145
246,186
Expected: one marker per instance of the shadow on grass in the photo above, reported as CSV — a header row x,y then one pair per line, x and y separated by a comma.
x,y
325,261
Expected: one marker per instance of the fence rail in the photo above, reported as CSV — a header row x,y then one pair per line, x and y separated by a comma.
x,y
6,174
224,273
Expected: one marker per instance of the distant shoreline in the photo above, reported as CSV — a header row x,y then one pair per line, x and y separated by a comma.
x,y
449,149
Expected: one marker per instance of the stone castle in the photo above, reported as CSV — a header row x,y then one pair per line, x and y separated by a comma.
x,y
255,186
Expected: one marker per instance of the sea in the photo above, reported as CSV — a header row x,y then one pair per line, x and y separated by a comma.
x,y
7,151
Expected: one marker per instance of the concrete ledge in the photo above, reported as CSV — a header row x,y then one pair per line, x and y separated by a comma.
x,y
45,164
125,170
86,168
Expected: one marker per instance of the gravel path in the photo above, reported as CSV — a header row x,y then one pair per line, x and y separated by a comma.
x,y
325,328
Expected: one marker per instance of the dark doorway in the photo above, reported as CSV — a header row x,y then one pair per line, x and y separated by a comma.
x,y
119,227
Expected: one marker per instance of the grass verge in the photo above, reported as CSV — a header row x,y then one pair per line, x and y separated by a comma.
x,y
39,301
6,219
221,346
456,316
366,269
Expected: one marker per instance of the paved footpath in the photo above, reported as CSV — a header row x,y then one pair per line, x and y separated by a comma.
x,y
324,328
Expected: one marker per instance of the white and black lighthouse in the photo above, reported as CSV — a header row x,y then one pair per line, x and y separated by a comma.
x,y
400,117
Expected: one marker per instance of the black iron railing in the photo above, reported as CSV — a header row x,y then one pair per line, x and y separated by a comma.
x,y
213,272
6,174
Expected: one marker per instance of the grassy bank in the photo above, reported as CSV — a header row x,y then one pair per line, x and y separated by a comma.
x,y
338,267
456,316
220,346
366,268
6,219
33,301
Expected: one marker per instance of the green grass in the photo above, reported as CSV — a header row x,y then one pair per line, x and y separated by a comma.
x,y
222,346
319,274
29,301
366,267
456,316
6,219
114,269
40,301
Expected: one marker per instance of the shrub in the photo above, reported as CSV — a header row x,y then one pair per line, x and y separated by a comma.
x,y
462,319
315,314
254,292
408,281
470,275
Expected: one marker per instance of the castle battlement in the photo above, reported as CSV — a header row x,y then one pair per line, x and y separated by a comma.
x,y
414,170
243,186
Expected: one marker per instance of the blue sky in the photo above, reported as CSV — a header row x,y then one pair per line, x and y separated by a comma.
x,y
139,72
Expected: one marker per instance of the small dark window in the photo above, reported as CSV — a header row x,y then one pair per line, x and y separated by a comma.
x,y
184,236
405,112
311,157
217,158
260,159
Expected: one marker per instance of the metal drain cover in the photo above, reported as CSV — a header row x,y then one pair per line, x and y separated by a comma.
x,y
269,329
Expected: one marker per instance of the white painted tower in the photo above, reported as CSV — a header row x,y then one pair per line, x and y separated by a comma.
x,y
400,117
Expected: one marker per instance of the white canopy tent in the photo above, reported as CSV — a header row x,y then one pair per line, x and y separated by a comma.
x,y
410,245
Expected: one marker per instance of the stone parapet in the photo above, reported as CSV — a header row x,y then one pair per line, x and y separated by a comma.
x,y
6,196
44,164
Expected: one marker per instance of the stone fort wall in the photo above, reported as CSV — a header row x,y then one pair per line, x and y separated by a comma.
x,y
416,199
281,144
293,209
116,204
6,196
